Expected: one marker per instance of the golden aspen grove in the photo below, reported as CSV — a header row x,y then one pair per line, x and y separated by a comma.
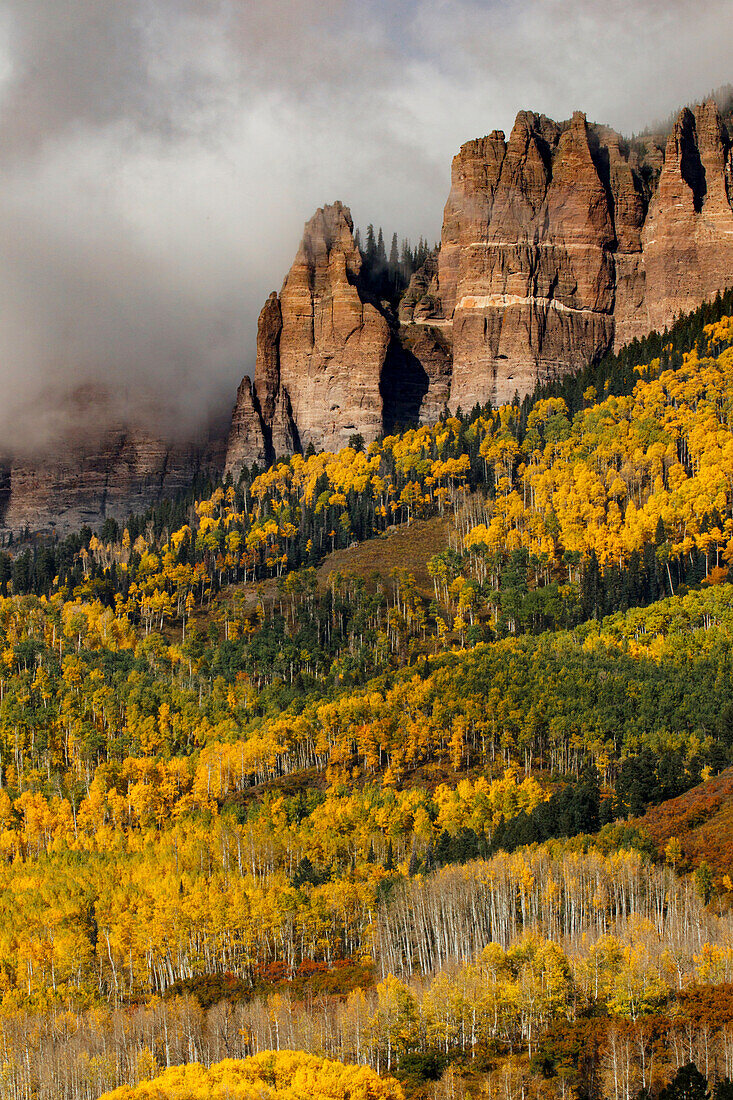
x,y
278,823
286,1075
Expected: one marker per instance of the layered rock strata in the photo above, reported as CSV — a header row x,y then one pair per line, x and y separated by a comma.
x,y
332,362
534,284
563,242
333,341
687,238
85,481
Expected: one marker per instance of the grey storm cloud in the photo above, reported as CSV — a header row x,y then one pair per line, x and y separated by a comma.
x,y
159,158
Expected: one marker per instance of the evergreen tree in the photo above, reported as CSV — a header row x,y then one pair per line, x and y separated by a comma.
x,y
381,251
394,256
687,1084
305,874
406,264
370,252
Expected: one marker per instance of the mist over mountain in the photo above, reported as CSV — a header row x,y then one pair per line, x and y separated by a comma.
x,y
366,550
159,160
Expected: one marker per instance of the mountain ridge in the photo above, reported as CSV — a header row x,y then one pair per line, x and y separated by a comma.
x,y
558,245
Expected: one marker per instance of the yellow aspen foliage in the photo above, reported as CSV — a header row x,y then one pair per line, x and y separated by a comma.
x,y
281,1075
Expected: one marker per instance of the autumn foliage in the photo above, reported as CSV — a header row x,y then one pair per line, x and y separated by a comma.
x,y
285,1075
250,802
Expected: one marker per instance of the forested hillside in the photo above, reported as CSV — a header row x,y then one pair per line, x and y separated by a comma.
x,y
273,778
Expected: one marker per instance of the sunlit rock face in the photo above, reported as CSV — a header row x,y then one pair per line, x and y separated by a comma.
x,y
321,350
563,242
687,238
557,244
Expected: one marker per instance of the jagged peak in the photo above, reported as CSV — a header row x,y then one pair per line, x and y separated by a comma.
x,y
330,227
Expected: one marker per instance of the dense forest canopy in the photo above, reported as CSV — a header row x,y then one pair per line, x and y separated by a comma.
x,y
252,801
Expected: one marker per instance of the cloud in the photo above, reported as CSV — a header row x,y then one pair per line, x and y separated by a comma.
x,y
160,157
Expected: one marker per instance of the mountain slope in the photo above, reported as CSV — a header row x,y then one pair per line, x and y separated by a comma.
x,y
702,821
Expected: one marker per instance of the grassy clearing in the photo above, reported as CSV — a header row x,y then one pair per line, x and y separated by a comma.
x,y
407,547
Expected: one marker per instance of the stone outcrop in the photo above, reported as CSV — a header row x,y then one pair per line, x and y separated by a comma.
x,y
688,234
332,362
628,202
85,481
557,245
333,341
564,242
321,349
246,443
267,376
534,288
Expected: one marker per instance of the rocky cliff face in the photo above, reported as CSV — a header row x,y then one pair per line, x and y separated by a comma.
x,y
332,362
84,481
534,284
333,341
246,443
687,238
565,242
321,349
558,244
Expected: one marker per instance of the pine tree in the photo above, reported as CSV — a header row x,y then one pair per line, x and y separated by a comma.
x,y
687,1084
406,263
370,252
395,275
381,251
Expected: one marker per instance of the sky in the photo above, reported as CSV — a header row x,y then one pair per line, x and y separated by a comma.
x,y
159,158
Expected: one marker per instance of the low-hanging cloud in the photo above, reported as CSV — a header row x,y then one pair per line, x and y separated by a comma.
x,y
159,158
